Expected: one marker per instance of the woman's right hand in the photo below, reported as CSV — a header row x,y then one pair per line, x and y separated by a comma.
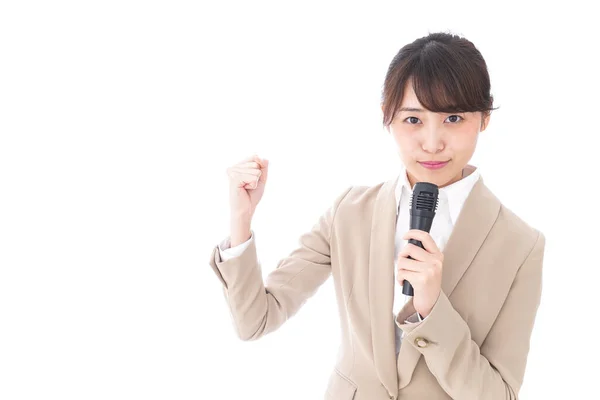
x,y
247,181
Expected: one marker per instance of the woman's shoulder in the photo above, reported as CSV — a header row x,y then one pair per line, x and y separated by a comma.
x,y
511,222
517,225
361,194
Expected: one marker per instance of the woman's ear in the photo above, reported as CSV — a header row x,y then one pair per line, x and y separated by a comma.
x,y
485,120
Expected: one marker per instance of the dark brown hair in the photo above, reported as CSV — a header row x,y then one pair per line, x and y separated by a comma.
x,y
447,72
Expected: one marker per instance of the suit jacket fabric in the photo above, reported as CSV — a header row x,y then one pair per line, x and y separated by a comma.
x,y
474,343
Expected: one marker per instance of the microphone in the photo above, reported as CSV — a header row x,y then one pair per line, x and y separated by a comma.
x,y
423,204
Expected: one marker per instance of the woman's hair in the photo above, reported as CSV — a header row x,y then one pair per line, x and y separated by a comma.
x,y
448,75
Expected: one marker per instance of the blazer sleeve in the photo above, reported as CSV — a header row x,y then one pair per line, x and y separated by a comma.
x,y
258,308
496,370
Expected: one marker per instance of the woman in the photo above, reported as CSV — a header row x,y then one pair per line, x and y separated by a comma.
x,y
477,283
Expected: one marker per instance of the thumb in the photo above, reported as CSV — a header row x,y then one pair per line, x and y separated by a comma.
x,y
265,169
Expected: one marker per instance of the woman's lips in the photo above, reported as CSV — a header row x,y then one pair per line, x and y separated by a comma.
x,y
433,165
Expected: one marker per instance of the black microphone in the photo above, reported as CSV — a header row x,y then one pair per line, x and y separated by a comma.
x,y
423,204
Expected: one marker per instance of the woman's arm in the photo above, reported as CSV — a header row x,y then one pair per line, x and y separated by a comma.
x,y
258,308
496,370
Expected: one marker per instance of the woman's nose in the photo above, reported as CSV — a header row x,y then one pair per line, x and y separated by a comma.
x,y
432,141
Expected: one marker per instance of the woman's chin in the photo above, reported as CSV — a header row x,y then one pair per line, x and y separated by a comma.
x,y
437,177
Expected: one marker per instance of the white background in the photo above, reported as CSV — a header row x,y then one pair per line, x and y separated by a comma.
x,y
118,120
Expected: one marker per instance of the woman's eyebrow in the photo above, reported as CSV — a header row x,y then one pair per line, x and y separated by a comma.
x,y
411,109
414,109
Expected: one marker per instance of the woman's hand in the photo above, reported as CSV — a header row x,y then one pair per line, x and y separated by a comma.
x,y
424,272
247,180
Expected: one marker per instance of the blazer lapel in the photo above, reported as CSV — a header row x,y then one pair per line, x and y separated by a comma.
x,y
477,217
474,222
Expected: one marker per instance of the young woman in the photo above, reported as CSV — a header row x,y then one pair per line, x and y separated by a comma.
x,y
477,283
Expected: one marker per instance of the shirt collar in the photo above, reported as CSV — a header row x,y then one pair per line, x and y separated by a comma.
x,y
455,194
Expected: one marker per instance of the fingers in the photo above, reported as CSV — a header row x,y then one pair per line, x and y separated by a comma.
x,y
249,172
237,171
407,264
264,169
411,276
249,165
249,181
261,164
424,237
415,252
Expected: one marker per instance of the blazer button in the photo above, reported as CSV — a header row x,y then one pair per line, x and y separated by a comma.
x,y
421,342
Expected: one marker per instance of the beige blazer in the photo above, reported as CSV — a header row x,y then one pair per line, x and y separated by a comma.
x,y
473,344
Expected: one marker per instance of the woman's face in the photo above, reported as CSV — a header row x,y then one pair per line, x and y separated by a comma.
x,y
422,135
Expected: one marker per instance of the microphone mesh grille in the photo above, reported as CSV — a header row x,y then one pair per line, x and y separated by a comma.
x,y
425,200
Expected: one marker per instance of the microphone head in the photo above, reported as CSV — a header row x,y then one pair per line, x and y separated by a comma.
x,y
424,200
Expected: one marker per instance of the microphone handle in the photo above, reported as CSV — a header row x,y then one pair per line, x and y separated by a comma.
x,y
407,288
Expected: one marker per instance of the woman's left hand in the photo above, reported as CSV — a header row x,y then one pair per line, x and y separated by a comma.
x,y
424,272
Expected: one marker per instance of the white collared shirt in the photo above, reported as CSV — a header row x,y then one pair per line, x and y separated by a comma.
x,y
451,199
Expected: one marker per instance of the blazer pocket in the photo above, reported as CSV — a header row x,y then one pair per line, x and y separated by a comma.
x,y
340,387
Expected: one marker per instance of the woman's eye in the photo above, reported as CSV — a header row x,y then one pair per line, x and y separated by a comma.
x,y
455,118
412,120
